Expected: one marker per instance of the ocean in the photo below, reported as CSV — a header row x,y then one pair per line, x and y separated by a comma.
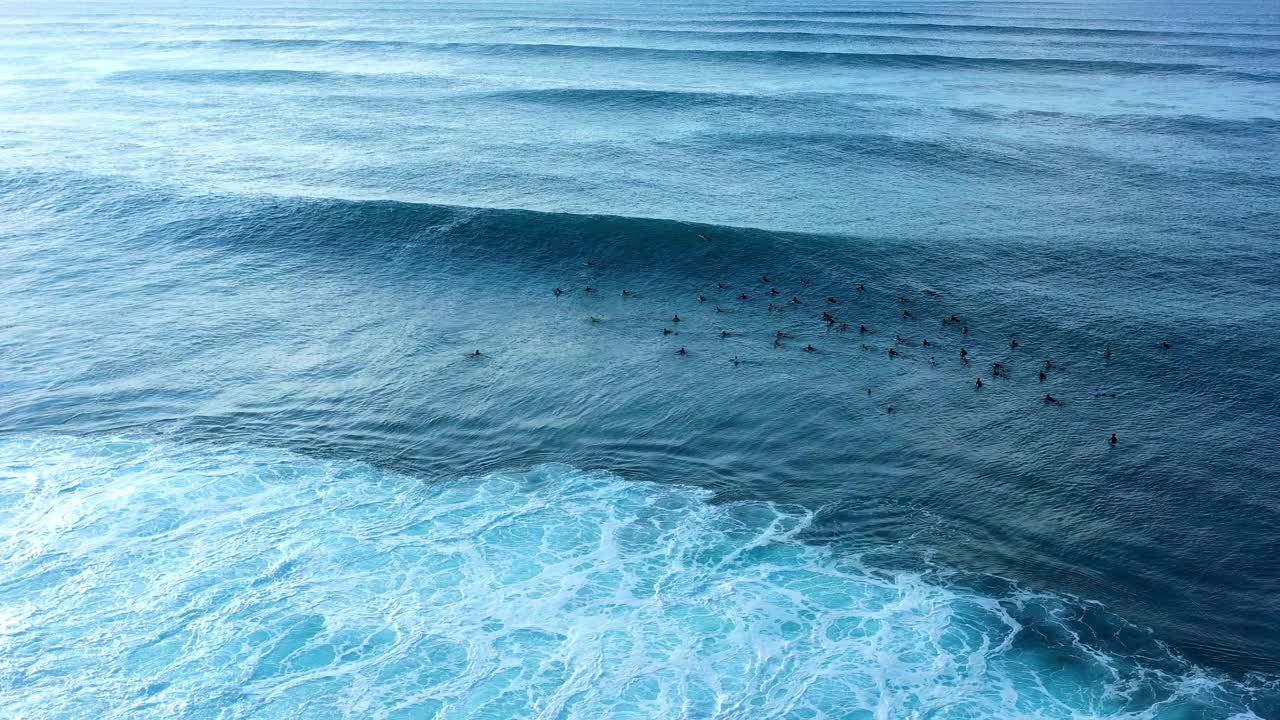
x,y
733,272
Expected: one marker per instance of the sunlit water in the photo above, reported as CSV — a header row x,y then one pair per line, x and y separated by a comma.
x,y
258,242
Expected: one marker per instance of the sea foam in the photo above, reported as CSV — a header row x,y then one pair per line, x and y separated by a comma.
x,y
149,580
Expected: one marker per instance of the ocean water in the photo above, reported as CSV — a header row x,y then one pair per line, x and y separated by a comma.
x,y
247,469
147,581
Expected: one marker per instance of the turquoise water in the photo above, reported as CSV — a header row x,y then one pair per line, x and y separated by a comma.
x,y
250,470
151,581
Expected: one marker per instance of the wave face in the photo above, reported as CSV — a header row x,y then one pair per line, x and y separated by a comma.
x,y
146,580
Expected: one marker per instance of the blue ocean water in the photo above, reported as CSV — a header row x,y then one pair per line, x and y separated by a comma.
x,y
248,470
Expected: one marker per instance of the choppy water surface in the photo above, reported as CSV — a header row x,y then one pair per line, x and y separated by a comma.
x,y
248,470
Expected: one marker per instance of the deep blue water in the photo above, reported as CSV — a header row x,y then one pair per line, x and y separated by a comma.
x,y
247,470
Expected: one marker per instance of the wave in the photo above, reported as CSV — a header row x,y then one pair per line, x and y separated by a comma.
x,y
931,155
860,25
290,44
899,61
846,13
1201,127
1030,30
150,580
1198,126
887,61
796,36
625,97
269,77
827,37
357,227
1042,30
631,98
844,21
544,249
361,228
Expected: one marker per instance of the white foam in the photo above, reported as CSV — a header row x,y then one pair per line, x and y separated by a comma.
x,y
143,580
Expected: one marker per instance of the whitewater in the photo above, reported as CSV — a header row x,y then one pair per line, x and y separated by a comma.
x,y
147,580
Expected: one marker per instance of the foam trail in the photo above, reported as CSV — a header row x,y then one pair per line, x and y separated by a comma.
x,y
145,580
